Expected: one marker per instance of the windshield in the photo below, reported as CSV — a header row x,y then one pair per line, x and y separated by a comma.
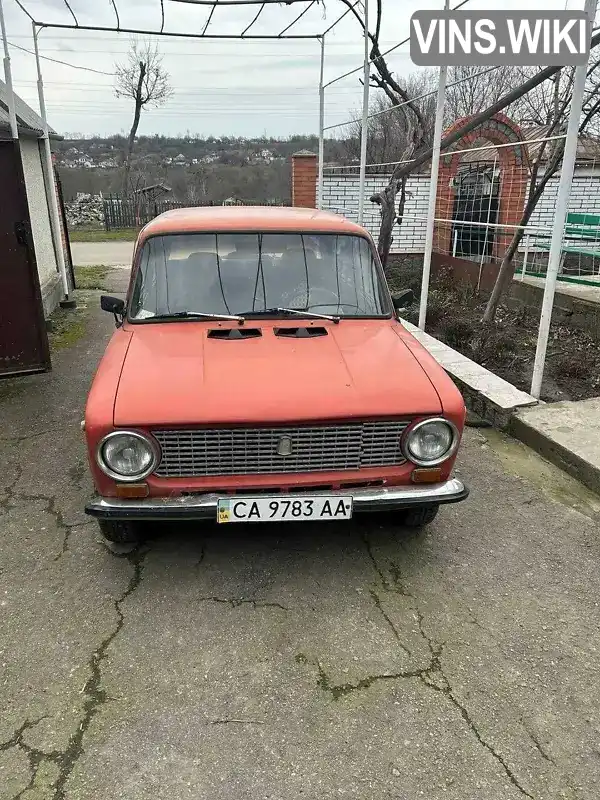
x,y
243,273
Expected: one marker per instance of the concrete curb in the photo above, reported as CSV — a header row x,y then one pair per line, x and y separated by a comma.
x,y
567,434
477,401
486,394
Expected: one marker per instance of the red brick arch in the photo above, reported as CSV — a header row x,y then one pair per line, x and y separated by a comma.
x,y
514,175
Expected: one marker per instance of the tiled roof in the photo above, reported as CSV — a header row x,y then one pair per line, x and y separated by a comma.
x,y
588,147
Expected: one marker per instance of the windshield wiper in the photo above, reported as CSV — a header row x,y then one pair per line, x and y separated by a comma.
x,y
199,314
301,312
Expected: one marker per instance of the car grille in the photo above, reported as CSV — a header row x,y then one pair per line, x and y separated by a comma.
x,y
254,451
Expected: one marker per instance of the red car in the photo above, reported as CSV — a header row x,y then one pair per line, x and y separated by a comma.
x,y
259,372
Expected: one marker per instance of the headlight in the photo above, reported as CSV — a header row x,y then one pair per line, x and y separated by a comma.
x,y
127,456
430,442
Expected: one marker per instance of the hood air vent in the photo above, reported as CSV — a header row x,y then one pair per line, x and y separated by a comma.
x,y
301,333
234,333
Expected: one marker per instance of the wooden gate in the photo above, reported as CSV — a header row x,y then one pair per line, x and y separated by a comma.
x,y
23,338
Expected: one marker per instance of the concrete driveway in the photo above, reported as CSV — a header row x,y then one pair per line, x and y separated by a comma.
x,y
110,254
292,661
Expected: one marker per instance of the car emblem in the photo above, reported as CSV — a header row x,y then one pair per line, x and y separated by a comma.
x,y
284,448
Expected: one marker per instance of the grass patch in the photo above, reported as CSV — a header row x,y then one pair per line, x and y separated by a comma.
x,y
67,327
91,277
100,235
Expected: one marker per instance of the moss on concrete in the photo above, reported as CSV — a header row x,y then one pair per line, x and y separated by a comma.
x,y
66,328
519,460
91,277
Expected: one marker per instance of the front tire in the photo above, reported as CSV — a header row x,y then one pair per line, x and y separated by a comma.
x,y
420,516
120,531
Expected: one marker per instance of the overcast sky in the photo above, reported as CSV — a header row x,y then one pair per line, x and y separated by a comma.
x,y
236,88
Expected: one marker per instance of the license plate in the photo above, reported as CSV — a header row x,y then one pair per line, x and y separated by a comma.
x,y
286,509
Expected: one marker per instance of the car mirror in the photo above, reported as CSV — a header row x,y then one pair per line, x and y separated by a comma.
x,y
403,300
115,306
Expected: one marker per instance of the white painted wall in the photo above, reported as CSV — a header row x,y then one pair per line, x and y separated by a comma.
x,y
40,220
585,197
340,194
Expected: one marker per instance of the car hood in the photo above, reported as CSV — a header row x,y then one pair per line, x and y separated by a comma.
x,y
176,374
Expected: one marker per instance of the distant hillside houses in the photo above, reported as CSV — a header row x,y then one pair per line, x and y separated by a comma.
x,y
263,157
77,158
86,162
101,155
197,168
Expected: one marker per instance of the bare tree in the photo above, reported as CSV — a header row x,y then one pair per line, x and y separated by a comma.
x,y
471,89
389,132
416,120
418,131
420,151
146,82
391,138
395,133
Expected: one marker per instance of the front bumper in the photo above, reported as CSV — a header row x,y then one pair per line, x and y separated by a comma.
x,y
204,506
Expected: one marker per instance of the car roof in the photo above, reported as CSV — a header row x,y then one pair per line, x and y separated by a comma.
x,y
249,218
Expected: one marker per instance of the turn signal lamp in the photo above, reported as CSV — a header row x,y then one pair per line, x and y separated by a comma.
x,y
431,475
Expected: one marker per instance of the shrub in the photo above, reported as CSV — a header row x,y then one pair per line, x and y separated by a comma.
x,y
497,347
464,293
444,279
412,314
457,333
437,308
405,276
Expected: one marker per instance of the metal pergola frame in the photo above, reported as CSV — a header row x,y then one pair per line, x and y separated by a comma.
x,y
39,25
351,6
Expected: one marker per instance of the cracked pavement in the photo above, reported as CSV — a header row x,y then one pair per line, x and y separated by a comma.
x,y
296,661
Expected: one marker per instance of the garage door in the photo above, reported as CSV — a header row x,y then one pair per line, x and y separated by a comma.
x,y
23,338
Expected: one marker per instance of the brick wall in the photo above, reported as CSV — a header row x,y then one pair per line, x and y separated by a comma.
x,y
341,195
514,175
304,179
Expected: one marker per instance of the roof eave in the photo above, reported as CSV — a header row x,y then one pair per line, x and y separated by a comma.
x,y
31,133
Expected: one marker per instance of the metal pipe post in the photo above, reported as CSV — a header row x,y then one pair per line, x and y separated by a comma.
x,y
321,126
14,130
435,171
50,187
365,121
560,216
